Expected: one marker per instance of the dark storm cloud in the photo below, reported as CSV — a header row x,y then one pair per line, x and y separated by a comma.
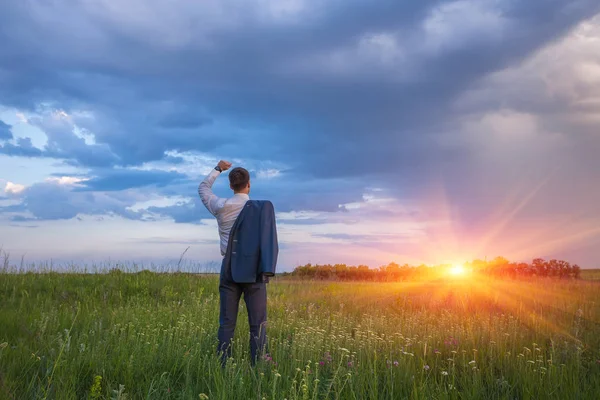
x,y
52,201
24,147
121,179
243,76
344,95
5,131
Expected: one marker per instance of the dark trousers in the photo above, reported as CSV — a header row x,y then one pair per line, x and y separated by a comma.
x,y
255,296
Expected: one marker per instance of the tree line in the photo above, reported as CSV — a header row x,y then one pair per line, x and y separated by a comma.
x,y
499,267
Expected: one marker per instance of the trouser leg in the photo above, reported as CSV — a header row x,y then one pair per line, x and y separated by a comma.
x,y
255,296
229,294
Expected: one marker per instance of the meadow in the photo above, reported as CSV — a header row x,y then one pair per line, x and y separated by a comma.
x,y
151,335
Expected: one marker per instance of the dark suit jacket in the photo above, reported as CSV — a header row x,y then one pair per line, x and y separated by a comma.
x,y
252,249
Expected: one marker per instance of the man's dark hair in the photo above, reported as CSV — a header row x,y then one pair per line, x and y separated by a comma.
x,y
239,178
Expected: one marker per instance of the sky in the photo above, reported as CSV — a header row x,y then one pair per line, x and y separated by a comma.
x,y
383,131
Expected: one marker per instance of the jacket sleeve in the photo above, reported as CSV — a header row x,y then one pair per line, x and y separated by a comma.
x,y
269,247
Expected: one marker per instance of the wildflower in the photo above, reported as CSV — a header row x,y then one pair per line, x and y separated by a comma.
x,y
426,367
473,362
321,363
396,363
445,373
350,364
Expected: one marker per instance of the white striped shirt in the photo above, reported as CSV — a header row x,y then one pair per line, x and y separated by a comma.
x,y
225,210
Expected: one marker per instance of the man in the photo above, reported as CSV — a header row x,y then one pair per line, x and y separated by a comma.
x,y
248,241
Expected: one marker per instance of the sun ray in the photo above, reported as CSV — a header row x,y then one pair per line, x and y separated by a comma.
x,y
505,220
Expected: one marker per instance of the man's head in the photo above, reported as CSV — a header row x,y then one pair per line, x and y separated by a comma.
x,y
239,180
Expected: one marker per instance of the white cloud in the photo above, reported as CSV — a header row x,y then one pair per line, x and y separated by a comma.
x,y
268,173
299,215
66,180
194,164
21,117
159,201
14,188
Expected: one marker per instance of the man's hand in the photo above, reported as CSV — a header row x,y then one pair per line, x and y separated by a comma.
x,y
224,165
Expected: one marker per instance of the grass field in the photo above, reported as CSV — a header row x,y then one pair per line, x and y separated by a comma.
x,y
590,274
153,336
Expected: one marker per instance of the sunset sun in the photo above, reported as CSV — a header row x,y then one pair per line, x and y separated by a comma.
x,y
458,270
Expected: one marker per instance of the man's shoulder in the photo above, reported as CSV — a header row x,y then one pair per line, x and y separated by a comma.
x,y
257,208
259,203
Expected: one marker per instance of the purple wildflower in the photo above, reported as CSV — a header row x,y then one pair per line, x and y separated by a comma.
x,y
268,358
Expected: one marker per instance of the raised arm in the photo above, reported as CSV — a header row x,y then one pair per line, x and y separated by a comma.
x,y
211,201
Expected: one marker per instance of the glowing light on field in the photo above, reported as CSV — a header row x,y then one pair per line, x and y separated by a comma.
x,y
458,270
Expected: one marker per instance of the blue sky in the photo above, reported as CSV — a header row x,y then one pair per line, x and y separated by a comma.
x,y
413,131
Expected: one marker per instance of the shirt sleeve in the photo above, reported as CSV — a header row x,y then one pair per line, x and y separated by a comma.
x,y
212,202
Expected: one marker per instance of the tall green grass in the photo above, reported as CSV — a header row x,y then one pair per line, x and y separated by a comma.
x,y
153,336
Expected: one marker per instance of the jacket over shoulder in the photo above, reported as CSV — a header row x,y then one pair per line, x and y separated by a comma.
x,y
253,248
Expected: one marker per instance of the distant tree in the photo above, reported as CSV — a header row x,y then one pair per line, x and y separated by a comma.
x,y
576,271
539,266
499,267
